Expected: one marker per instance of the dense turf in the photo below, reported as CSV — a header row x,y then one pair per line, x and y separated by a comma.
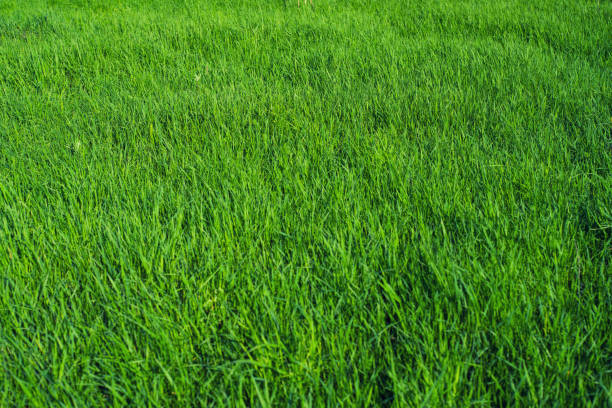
x,y
361,202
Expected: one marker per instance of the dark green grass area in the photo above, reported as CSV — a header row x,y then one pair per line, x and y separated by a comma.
x,y
247,203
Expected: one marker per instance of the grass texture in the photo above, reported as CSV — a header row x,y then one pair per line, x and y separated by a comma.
x,y
354,203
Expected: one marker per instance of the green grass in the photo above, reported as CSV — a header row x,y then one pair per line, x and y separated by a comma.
x,y
245,203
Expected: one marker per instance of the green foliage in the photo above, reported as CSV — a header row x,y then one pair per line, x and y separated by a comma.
x,y
392,203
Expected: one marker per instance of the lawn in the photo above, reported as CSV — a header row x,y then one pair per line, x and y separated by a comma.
x,y
354,203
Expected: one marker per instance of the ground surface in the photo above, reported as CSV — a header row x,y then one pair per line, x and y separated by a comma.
x,y
401,203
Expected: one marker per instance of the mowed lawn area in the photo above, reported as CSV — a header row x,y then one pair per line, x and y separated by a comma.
x,y
351,203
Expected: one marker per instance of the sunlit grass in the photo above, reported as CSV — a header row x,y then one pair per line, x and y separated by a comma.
x,y
351,203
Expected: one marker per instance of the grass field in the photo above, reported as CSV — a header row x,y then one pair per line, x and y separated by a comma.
x,y
246,203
